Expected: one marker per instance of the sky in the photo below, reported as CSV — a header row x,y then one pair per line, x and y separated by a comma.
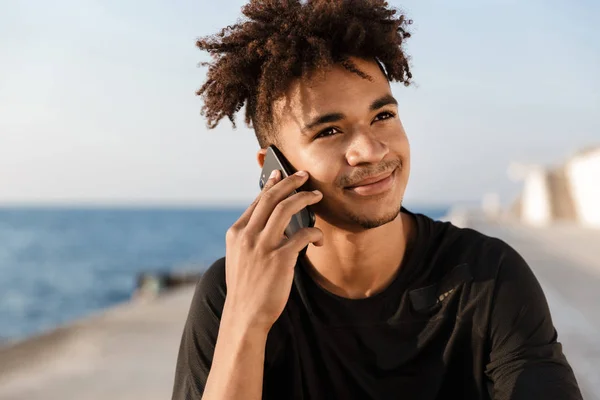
x,y
98,104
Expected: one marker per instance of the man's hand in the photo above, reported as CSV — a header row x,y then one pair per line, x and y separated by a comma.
x,y
260,260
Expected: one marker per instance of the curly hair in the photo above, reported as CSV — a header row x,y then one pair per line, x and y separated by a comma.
x,y
255,60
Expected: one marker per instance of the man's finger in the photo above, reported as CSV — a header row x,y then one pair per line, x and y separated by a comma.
x,y
286,209
273,196
245,217
303,238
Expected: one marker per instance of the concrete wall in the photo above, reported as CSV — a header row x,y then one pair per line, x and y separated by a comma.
x,y
583,173
535,201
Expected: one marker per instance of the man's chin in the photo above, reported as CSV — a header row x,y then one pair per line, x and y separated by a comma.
x,y
357,217
373,214
366,220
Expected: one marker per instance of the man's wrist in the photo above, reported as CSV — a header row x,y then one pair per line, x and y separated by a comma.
x,y
238,326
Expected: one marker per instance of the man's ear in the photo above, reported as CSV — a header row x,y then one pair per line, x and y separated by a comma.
x,y
260,157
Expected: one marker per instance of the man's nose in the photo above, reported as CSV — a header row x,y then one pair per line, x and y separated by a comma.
x,y
366,148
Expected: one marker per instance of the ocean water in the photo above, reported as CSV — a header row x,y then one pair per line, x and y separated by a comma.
x,y
57,265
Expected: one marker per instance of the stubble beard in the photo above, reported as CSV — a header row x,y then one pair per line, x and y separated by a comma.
x,y
369,223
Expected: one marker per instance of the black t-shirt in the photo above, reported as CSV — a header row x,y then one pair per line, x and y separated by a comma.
x,y
465,318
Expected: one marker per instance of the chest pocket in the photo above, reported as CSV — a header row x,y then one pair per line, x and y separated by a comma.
x,y
430,300
427,316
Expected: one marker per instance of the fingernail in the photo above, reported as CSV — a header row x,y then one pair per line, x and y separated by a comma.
x,y
302,173
273,174
317,192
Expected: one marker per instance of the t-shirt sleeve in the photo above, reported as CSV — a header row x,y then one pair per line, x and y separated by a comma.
x,y
200,334
526,361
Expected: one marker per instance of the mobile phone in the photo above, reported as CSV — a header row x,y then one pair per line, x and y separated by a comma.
x,y
274,160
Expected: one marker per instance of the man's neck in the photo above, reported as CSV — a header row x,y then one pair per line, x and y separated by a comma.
x,y
359,265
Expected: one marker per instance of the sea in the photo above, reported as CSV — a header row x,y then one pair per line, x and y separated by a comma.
x,y
61,264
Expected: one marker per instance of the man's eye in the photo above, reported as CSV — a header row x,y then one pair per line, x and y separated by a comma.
x,y
326,132
384,115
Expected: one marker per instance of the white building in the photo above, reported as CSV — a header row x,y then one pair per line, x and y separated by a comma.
x,y
569,193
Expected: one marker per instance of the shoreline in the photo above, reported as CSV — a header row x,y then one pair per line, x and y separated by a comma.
x,y
130,350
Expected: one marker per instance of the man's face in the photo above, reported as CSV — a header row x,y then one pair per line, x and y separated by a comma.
x,y
344,129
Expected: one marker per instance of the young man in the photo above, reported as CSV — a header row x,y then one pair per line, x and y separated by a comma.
x,y
385,303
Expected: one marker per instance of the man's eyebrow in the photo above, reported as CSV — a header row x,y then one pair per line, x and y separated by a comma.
x,y
383,101
334,117
323,119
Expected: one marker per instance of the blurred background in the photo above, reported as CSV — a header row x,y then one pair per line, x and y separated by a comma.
x,y
112,189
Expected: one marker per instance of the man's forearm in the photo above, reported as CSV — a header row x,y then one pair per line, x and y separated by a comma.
x,y
238,362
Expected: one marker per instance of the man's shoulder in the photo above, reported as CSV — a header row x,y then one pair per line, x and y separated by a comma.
x,y
215,273
463,245
212,284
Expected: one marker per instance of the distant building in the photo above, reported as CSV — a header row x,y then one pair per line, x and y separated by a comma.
x,y
568,193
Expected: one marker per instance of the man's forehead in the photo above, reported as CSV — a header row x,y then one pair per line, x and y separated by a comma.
x,y
332,93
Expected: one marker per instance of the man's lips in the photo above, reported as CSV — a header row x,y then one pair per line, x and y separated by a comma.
x,y
372,179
